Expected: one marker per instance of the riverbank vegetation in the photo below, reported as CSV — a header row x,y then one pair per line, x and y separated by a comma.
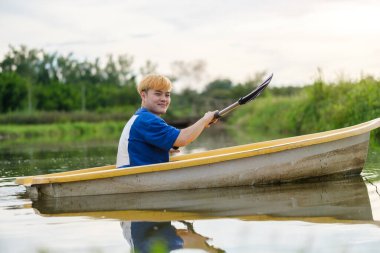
x,y
44,95
318,107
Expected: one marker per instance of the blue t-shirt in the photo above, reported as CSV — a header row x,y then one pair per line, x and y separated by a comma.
x,y
146,139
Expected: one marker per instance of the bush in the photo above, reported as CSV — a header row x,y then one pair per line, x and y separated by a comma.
x,y
13,92
319,107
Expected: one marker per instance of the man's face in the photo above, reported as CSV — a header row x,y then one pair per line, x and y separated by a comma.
x,y
156,101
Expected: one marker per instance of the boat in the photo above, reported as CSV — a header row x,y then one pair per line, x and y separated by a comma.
x,y
339,152
327,201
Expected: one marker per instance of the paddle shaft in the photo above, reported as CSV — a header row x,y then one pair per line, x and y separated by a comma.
x,y
251,96
226,110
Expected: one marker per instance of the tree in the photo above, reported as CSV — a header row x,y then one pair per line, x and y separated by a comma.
x,y
188,74
124,69
219,89
253,81
25,63
57,82
13,92
148,68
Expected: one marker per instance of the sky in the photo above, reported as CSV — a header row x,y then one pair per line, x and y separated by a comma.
x,y
235,38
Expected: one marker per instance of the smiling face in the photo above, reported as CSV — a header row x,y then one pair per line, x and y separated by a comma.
x,y
155,93
155,101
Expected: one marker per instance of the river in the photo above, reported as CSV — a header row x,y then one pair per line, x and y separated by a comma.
x,y
322,216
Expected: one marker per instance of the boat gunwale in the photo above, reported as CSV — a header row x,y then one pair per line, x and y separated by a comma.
x,y
221,155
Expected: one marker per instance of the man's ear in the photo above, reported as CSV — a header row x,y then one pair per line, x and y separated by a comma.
x,y
143,95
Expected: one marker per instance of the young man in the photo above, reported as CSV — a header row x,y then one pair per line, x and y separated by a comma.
x,y
147,138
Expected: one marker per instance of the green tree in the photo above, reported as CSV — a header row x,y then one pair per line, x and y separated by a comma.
x,y
13,92
23,62
57,82
218,94
148,68
58,97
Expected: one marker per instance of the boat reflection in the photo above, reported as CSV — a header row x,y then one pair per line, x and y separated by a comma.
x,y
325,201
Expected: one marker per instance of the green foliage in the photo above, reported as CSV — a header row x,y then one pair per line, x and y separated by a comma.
x,y
33,79
62,131
37,87
318,107
57,97
13,92
117,114
22,61
285,91
219,86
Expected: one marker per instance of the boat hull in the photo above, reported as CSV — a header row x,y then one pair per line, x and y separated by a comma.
x,y
339,157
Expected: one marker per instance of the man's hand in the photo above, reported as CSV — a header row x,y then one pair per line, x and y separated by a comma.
x,y
189,134
172,151
209,118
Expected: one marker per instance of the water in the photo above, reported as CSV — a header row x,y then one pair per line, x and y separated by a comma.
x,y
327,216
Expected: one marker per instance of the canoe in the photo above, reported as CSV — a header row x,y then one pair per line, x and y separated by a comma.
x,y
344,200
332,153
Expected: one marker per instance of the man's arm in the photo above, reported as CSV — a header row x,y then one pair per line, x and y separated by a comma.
x,y
189,134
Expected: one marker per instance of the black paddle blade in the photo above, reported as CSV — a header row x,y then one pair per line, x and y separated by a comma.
x,y
256,92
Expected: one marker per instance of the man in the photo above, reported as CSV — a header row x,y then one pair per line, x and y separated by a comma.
x,y
147,138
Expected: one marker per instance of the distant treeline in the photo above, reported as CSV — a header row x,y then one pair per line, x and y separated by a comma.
x,y
37,87
33,80
53,87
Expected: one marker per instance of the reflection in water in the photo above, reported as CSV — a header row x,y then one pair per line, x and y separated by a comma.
x,y
145,236
24,159
35,159
339,200
152,219
148,236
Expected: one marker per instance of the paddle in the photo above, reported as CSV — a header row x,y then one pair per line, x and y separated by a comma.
x,y
243,100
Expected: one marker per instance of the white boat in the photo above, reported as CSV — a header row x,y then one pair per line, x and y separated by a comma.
x,y
333,153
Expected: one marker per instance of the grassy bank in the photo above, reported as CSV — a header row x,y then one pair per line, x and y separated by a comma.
x,y
52,117
62,131
318,107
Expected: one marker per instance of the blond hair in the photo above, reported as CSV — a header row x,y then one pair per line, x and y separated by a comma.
x,y
156,82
